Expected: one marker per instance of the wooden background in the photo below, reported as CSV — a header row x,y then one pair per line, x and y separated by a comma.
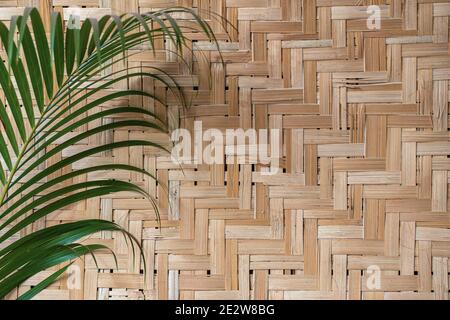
x,y
366,148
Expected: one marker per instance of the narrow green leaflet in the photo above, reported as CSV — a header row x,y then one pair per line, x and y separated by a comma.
x,y
72,44
8,128
5,153
57,46
43,50
13,101
30,294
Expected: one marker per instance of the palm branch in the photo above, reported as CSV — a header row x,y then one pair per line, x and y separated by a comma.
x,y
46,80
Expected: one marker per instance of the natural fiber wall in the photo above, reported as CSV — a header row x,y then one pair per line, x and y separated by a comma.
x,y
365,120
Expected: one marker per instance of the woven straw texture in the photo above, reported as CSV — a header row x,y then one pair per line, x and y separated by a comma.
x,y
360,209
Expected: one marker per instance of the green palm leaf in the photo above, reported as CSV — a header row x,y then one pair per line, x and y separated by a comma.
x,y
57,73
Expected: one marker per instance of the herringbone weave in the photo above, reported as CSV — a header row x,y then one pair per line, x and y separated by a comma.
x,y
360,209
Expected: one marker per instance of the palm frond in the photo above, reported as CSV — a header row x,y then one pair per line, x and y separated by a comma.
x,y
57,73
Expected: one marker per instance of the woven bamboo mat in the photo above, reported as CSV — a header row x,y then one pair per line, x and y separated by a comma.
x,y
360,207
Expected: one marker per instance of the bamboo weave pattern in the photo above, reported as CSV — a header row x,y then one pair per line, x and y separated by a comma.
x,y
360,209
